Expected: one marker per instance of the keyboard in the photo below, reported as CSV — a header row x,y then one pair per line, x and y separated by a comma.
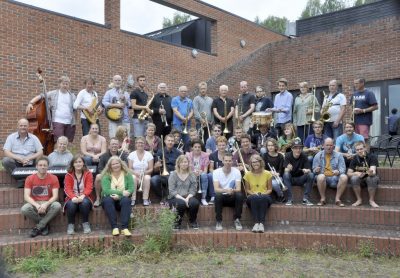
x,y
23,172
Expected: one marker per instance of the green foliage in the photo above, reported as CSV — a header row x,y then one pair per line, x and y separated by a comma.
x,y
313,8
274,23
363,2
177,18
366,248
332,6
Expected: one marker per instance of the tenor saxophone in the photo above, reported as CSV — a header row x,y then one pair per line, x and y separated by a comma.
x,y
144,114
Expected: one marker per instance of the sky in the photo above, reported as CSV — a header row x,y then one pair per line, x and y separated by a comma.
x,y
144,16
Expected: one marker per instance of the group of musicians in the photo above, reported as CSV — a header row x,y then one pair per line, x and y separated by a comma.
x,y
176,161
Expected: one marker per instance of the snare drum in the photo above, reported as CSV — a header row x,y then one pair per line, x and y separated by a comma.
x,y
261,118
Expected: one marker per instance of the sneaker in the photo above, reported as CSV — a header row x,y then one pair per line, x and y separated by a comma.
x,y
306,202
281,199
218,227
194,226
133,203
45,231
177,227
115,232
238,225
146,203
126,232
261,228
86,228
34,232
71,229
289,203
255,228
96,203
212,201
204,202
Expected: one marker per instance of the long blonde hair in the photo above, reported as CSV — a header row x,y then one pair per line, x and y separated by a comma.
x,y
107,170
178,162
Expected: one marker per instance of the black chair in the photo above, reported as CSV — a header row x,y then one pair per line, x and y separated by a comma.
x,y
378,144
392,150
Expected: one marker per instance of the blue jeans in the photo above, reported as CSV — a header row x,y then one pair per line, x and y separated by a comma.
x,y
159,185
277,187
111,206
89,160
258,205
333,132
303,131
139,127
84,208
305,180
211,190
204,185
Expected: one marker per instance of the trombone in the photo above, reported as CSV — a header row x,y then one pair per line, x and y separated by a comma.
x,y
313,107
226,130
277,178
164,165
244,167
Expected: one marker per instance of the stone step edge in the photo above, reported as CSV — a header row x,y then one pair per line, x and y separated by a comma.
x,y
213,239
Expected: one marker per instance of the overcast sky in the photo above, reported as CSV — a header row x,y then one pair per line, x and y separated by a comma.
x,y
144,16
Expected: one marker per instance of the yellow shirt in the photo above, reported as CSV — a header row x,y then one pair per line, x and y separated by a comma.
x,y
328,168
118,183
258,183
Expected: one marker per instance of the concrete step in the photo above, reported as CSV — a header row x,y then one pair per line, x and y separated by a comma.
x,y
276,236
11,197
386,217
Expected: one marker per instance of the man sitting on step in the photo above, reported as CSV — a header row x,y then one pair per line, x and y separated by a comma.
x,y
362,171
330,169
227,185
41,195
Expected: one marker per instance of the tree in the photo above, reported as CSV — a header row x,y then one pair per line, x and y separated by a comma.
x,y
313,8
332,6
274,23
362,2
178,18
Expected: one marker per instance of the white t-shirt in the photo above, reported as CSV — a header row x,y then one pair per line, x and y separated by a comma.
x,y
225,181
337,102
63,112
139,165
85,99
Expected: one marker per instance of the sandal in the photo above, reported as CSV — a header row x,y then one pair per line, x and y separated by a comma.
x,y
321,203
339,204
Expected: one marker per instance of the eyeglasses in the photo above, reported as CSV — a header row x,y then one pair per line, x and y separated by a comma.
x,y
217,130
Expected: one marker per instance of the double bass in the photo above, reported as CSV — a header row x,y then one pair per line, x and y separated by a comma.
x,y
39,118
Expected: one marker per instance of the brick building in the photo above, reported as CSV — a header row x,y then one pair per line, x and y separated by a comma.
x,y
60,44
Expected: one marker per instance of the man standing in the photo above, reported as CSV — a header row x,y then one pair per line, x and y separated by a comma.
x,y
334,104
61,104
223,109
262,102
362,172
85,101
330,169
41,195
244,107
282,106
139,100
162,111
202,110
116,98
365,103
393,122
182,106
227,184
21,149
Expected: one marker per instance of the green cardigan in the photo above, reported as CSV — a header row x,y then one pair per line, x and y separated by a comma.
x,y
106,185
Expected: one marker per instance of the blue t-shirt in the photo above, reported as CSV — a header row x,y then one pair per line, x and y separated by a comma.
x,y
363,100
211,144
312,141
184,107
346,144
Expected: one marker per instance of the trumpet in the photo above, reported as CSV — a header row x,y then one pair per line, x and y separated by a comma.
x,y
226,130
141,178
180,146
163,116
325,115
313,107
240,111
164,164
185,131
277,178
144,114
204,116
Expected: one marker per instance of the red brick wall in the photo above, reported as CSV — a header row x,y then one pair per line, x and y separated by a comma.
x,y
62,45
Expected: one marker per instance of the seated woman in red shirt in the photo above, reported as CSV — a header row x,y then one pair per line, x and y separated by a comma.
x,y
78,189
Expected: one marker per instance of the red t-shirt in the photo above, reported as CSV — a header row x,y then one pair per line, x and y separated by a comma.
x,y
42,189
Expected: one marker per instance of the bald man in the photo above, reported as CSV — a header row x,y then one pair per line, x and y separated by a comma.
x,y
182,106
21,149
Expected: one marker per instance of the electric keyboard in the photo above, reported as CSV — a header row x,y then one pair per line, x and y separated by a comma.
x,y
23,172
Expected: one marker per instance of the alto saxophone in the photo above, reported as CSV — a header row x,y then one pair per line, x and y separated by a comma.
x,y
144,114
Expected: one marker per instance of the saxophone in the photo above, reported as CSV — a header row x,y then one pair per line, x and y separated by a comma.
x,y
144,114
325,115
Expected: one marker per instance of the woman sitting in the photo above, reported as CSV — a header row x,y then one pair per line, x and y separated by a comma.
x,y
141,162
285,141
258,183
199,162
78,188
182,186
117,187
216,159
60,157
152,143
123,138
93,146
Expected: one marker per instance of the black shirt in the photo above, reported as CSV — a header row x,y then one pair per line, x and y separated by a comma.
x,y
358,164
300,163
155,106
214,158
106,156
258,141
170,158
274,161
220,105
141,99
263,103
244,101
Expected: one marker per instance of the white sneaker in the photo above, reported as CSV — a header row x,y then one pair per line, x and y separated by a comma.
x,y
71,229
261,228
255,228
218,227
212,201
238,225
204,202
146,202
